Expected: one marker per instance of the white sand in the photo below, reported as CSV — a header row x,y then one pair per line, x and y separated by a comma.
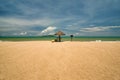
x,y
43,60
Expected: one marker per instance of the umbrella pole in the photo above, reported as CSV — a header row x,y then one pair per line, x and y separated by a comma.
x,y
59,38
71,38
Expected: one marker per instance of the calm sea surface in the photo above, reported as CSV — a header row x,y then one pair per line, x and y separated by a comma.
x,y
64,38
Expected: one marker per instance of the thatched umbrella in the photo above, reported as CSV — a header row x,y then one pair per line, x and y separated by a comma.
x,y
59,33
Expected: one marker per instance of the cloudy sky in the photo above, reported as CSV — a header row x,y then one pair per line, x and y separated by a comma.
x,y
45,17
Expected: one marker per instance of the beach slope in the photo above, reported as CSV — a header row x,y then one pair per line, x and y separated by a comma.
x,y
43,60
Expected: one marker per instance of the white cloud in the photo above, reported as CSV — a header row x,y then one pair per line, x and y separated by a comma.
x,y
26,22
20,33
96,29
48,30
14,26
23,33
9,22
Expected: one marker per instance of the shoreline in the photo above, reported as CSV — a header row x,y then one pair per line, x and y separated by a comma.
x,y
58,42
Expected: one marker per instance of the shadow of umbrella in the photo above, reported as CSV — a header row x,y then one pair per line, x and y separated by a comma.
x,y
59,33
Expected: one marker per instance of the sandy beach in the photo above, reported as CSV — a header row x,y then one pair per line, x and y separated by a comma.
x,y
44,60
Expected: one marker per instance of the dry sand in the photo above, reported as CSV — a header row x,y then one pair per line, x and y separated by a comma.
x,y
43,60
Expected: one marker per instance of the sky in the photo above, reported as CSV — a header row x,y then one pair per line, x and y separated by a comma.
x,y
46,17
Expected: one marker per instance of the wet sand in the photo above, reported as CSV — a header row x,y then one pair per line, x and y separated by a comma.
x,y
44,60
